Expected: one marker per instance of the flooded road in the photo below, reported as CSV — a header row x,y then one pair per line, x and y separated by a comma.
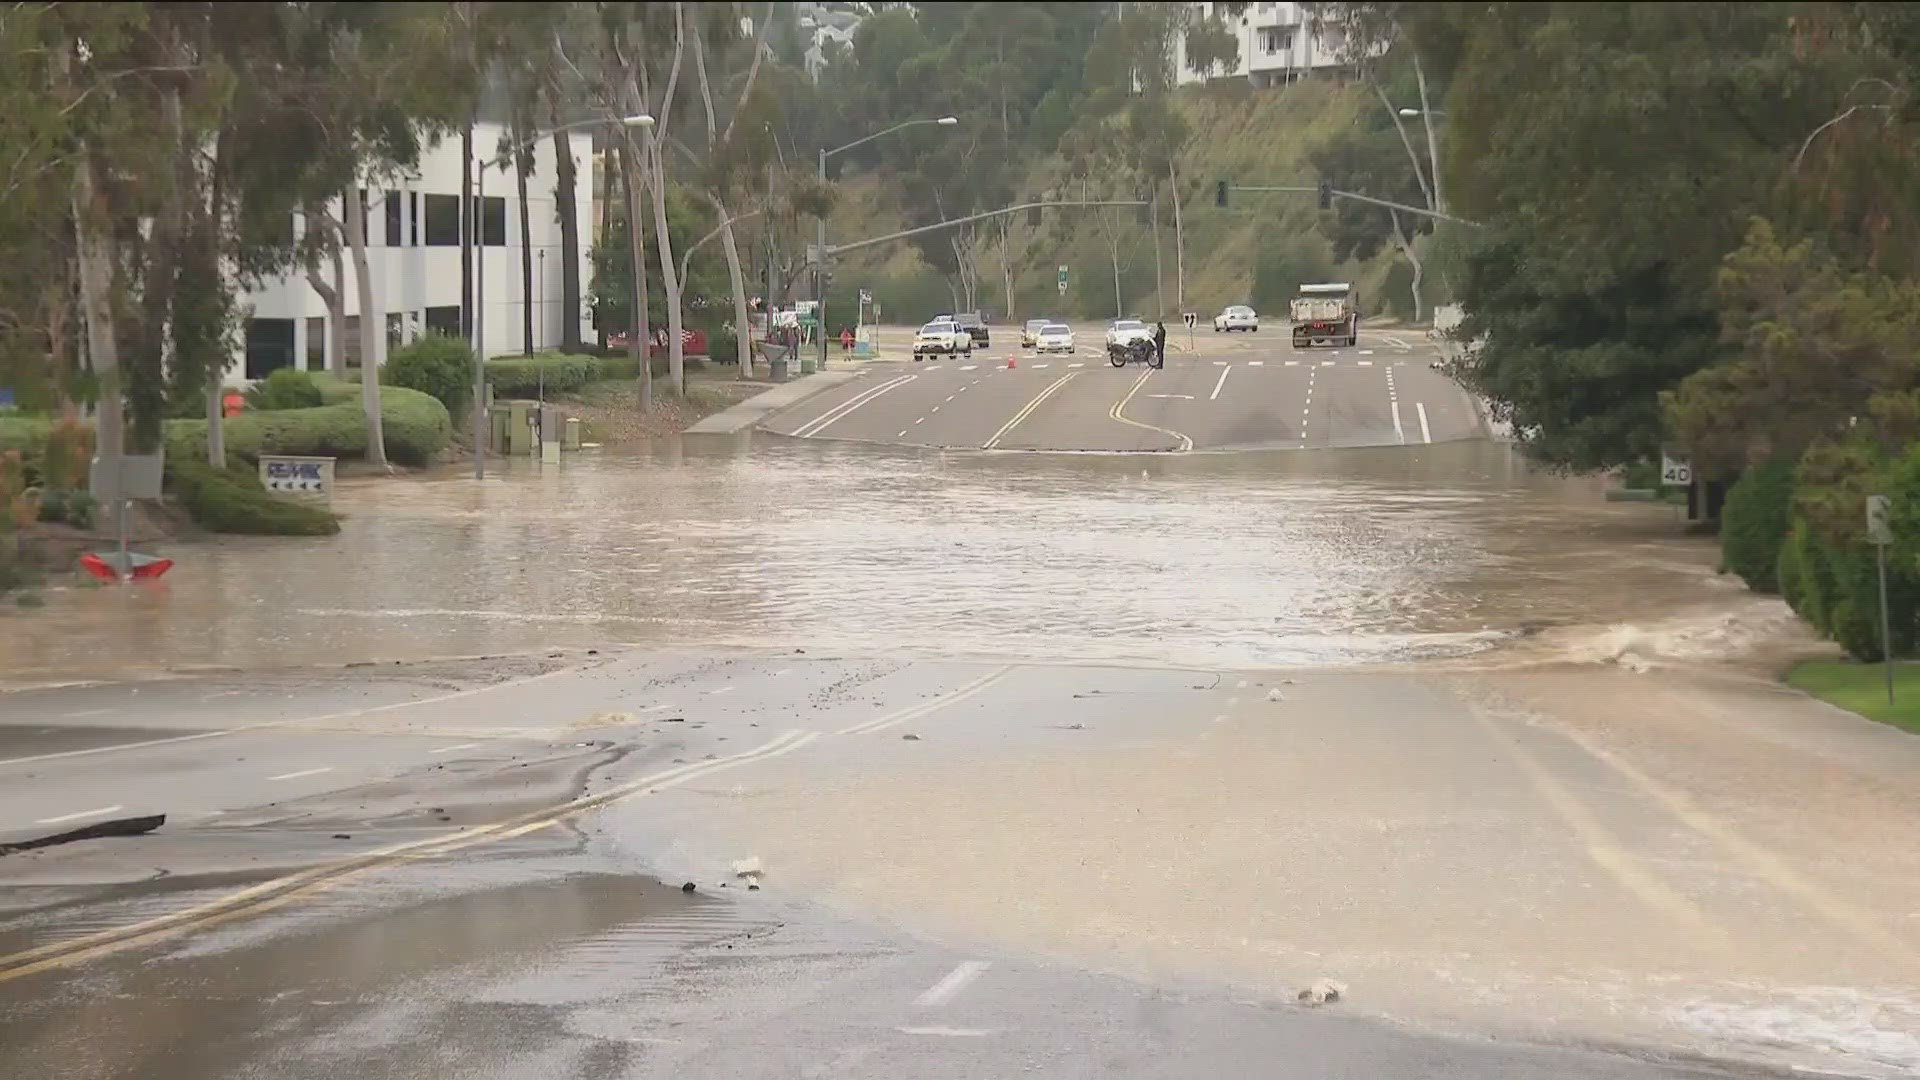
x,y
1240,560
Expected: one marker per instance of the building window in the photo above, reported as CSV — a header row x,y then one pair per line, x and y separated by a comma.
x,y
351,352
317,343
269,346
395,234
444,320
443,220
493,221
396,329
1275,39
413,219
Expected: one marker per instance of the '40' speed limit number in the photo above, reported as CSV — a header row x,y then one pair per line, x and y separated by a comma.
x,y
1675,472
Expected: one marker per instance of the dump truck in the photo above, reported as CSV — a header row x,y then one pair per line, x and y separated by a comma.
x,y
1326,313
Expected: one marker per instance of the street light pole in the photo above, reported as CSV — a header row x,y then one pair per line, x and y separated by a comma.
x,y
820,235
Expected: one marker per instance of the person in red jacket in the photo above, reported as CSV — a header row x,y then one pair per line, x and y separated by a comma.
x,y
846,340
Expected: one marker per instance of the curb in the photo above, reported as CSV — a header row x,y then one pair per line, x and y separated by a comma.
x,y
765,405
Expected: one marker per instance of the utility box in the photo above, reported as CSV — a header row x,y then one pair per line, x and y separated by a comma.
x,y
570,434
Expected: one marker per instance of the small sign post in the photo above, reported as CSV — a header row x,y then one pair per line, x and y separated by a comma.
x,y
1189,318
1675,472
116,480
1061,282
1880,533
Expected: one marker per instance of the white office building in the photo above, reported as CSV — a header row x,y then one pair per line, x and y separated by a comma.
x,y
413,250
1279,43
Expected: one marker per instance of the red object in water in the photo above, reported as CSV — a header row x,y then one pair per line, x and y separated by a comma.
x,y
106,568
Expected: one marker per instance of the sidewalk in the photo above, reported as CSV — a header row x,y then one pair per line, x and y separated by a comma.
x,y
758,408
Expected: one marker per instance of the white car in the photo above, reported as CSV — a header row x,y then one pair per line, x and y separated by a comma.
x,y
1236,317
1054,337
1122,331
942,337
1030,333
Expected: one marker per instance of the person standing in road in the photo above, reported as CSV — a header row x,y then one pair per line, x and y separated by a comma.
x,y
1159,343
846,340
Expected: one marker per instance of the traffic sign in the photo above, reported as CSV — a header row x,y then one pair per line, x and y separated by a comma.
x,y
1189,318
1675,472
1063,281
1879,519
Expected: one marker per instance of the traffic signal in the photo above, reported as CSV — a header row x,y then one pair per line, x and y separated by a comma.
x,y
1220,193
1326,195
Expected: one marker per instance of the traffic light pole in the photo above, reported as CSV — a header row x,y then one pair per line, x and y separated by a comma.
x,y
1327,194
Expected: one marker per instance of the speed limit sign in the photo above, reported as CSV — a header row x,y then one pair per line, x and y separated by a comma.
x,y
1675,472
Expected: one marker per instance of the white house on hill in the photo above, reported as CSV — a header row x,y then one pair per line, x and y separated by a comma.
x,y
1279,43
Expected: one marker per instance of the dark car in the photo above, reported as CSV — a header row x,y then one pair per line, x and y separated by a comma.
x,y
975,326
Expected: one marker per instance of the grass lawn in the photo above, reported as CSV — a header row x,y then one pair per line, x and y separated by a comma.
x,y
1862,688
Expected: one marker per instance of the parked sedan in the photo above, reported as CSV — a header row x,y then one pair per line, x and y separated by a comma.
x,y
1236,317
1054,337
1030,333
1122,331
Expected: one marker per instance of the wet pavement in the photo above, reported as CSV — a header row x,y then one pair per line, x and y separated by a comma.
x,y
1065,764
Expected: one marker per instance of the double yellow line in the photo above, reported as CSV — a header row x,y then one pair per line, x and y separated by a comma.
x,y
1183,443
1038,401
271,894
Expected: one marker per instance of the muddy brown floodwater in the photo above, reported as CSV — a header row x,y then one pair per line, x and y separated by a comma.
x,y
1219,560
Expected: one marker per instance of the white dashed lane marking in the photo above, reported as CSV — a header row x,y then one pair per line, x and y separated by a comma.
x,y
77,815
950,986
302,772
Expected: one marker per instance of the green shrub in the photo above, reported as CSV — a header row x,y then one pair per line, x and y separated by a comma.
x,y
620,366
232,501
1753,524
435,364
69,506
284,388
552,373
723,347
415,424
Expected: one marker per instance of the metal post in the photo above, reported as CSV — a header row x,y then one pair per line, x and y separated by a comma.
x,y
126,560
820,279
1159,274
540,290
1886,635
469,215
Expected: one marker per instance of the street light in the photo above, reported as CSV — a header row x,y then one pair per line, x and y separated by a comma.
x,y
820,234
1410,112
638,120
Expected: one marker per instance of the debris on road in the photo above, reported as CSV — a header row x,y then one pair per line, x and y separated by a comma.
x,y
688,887
132,826
1322,992
909,738
1275,695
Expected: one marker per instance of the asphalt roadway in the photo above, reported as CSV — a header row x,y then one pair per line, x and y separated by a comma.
x,y
1223,392
411,871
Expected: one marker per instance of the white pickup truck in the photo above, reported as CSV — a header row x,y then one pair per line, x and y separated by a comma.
x,y
942,337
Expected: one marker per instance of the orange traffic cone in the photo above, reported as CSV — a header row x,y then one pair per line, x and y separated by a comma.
x,y
1009,359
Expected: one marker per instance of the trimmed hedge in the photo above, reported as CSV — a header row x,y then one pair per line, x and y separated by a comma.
x,y
416,427
232,501
284,388
555,373
435,364
1753,524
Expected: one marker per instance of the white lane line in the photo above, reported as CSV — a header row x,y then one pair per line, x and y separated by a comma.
x,y
1426,433
1219,363
839,412
1326,363
1256,363
301,773
1039,400
89,712
915,711
1366,352
722,690
1077,365
451,749
949,987
969,367
951,396
783,671
78,815
1040,367
922,420
1182,397
1366,363
1224,372
933,410
1399,432
931,367
1293,363
947,1032
901,434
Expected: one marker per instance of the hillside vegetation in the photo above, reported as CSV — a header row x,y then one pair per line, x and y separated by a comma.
x,y
1238,133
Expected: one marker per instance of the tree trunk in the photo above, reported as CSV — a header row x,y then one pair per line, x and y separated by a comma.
x,y
567,208
94,252
742,331
372,325
1113,253
669,276
1405,245
607,156
216,422
639,334
528,300
147,369
1179,241
333,296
